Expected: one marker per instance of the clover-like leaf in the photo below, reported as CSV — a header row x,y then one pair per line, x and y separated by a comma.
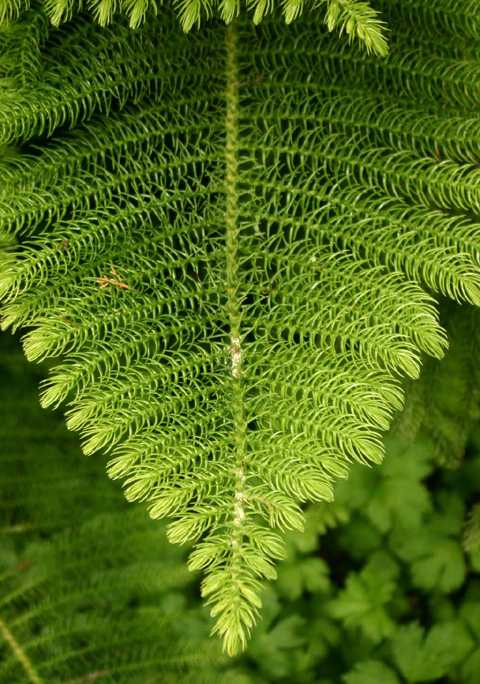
x,y
435,552
371,672
364,601
394,495
424,658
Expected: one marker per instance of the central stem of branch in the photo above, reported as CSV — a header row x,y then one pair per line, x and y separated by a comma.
x,y
232,270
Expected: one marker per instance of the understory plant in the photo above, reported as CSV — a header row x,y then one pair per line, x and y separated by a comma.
x,y
383,586
230,244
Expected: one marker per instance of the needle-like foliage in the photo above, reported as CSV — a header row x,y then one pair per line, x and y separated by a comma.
x,y
356,18
89,591
232,239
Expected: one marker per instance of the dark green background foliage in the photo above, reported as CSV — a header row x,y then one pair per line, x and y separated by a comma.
x,y
231,245
378,589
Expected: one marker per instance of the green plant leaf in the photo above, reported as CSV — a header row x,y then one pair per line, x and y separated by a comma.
x,y
360,537
471,532
444,405
303,574
435,552
371,672
470,614
319,518
394,495
425,657
357,18
89,586
274,649
362,603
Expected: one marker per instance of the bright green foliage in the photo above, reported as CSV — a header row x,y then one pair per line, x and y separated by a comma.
x,y
276,642
394,495
346,617
66,609
102,598
303,574
89,588
318,519
233,255
450,648
470,613
356,18
44,478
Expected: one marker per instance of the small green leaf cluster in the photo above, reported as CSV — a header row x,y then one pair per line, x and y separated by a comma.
x,y
356,18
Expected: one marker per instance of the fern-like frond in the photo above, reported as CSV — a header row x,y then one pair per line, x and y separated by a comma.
x,y
357,18
85,584
235,252
22,42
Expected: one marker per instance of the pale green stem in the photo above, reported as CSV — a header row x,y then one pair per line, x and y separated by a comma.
x,y
232,275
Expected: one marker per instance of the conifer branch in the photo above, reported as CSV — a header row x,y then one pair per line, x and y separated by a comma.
x,y
20,655
275,230
232,278
233,306
232,273
356,18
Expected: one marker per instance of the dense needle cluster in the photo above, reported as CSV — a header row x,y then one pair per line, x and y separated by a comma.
x,y
89,585
357,18
231,239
